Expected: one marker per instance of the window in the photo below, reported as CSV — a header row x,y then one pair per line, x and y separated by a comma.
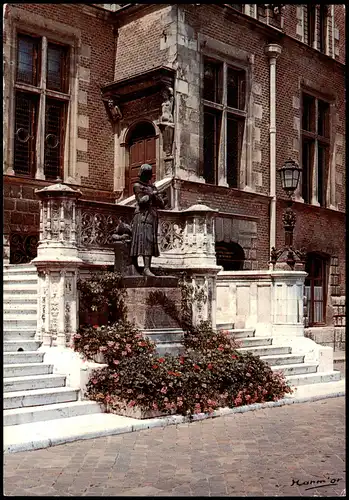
x,y
315,148
309,24
315,288
41,101
224,116
322,27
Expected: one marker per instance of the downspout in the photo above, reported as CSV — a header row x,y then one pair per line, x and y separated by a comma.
x,y
273,51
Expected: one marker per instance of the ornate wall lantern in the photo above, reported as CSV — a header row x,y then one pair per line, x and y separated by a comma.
x,y
290,175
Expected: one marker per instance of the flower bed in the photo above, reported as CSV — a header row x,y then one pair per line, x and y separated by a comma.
x,y
210,374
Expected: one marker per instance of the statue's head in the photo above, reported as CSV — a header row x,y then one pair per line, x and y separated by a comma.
x,y
146,172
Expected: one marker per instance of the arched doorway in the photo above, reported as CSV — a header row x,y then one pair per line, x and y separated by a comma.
x,y
230,256
142,149
316,287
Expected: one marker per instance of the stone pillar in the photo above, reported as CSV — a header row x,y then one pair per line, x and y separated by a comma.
x,y
57,263
273,51
199,257
287,303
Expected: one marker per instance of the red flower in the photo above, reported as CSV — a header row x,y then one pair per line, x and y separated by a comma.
x,y
233,356
95,326
209,366
196,367
181,360
116,361
132,403
221,348
161,360
155,366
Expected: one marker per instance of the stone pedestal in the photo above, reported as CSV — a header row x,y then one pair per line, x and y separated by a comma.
x,y
145,315
57,263
287,303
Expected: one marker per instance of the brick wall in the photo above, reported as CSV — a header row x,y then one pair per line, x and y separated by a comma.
x,y
234,202
297,66
140,42
318,230
339,19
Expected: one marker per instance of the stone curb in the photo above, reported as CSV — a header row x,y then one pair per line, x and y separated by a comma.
x,y
162,422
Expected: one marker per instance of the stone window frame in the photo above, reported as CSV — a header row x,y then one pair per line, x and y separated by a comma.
x,y
240,59
15,23
330,25
329,190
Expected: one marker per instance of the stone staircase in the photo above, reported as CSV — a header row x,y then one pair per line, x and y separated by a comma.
x,y
32,392
279,358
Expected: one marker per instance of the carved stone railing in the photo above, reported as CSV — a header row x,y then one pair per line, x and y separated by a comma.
x,y
186,238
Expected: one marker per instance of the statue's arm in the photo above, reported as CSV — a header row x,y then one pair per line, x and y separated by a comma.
x,y
141,198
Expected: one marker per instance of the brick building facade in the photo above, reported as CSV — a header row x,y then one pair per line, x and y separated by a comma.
x,y
192,89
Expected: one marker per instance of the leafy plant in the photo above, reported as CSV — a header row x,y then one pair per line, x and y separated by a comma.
x,y
104,291
211,372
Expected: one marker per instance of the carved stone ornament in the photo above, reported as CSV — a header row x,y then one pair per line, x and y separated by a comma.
x,y
171,235
289,219
167,106
114,111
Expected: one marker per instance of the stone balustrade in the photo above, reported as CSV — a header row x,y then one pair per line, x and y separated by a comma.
x,y
271,302
76,234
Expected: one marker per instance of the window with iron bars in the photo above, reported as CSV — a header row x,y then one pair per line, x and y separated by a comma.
x,y
223,116
41,104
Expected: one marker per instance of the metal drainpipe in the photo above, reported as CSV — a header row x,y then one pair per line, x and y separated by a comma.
x,y
273,51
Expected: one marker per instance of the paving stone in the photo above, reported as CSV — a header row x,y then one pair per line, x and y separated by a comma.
x,y
259,453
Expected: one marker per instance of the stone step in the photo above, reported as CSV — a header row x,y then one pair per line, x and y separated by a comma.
x,y
295,369
284,359
166,338
240,333
23,345
18,268
20,288
31,382
225,326
25,299
38,397
339,362
313,378
26,369
19,308
255,341
57,411
14,322
23,357
174,349
267,350
17,333
23,279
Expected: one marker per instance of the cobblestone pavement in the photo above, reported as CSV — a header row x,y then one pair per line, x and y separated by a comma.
x,y
277,451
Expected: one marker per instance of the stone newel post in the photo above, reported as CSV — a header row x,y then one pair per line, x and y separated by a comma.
x,y
57,263
200,256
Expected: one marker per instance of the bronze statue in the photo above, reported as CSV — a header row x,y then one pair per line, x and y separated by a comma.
x,y
144,240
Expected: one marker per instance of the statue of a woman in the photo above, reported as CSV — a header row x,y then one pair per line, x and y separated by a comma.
x,y
145,222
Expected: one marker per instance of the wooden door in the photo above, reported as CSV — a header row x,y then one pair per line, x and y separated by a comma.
x,y
141,151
